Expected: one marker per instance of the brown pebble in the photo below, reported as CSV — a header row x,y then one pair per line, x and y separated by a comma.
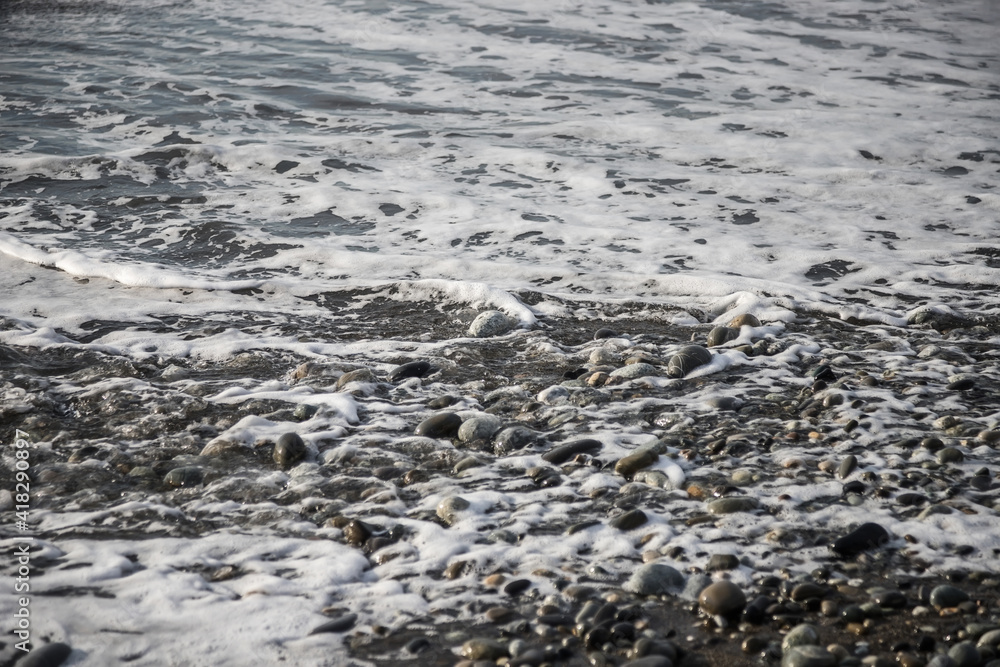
x,y
857,629
500,615
494,580
746,319
697,492
722,598
456,569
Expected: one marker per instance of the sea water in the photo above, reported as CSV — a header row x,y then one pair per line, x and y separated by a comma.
x,y
188,180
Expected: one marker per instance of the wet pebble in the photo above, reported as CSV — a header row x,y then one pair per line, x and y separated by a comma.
x,y
365,375
950,455
864,537
722,598
808,656
721,336
490,323
185,476
744,320
49,655
289,450
633,371
412,369
449,508
565,452
965,654
483,649
512,439
628,465
687,359
482,427
441,425
630,520
655,579
722,562
601,356
732,504
847,466
803,634
339,624
947,596
417,645
554,395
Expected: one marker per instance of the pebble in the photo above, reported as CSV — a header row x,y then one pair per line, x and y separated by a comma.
x,y
412,369
695,584
554,395
340,624
417,645
732,504
449,508
655,579
49,655
722,598
565,452
947,596
965,654
847,466
722,562
806,591
687,359
441,425
185,476
864,537
482,427
516,587
744,320
633,371
803,634
490,323
605,332
289,450
950,455
721,336
628,465
808,656
483,649
630,520
513,439
601,356
365,375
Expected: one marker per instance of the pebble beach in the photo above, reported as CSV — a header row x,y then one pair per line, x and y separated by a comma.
x,y
602,489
